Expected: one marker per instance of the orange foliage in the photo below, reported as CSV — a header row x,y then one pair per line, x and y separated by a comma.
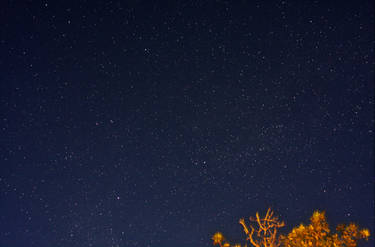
x,y
263,233
318,234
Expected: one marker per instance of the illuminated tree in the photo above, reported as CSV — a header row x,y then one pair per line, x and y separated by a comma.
x,y
318,234
219,239
262,233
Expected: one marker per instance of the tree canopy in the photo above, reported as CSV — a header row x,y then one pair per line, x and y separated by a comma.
x,y
263,232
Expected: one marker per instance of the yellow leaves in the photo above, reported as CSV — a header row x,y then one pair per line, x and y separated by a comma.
x,y
317,234
301,228
262,232
318,215
365,233
218,238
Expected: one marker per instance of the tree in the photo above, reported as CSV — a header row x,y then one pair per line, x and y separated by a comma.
x,y
318,234
263,232
219,239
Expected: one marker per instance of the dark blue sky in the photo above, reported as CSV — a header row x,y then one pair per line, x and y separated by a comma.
x,y
147,123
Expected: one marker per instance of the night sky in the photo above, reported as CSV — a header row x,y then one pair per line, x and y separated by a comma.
x,y
158,123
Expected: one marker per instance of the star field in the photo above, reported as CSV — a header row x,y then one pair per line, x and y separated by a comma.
x,y
157,123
